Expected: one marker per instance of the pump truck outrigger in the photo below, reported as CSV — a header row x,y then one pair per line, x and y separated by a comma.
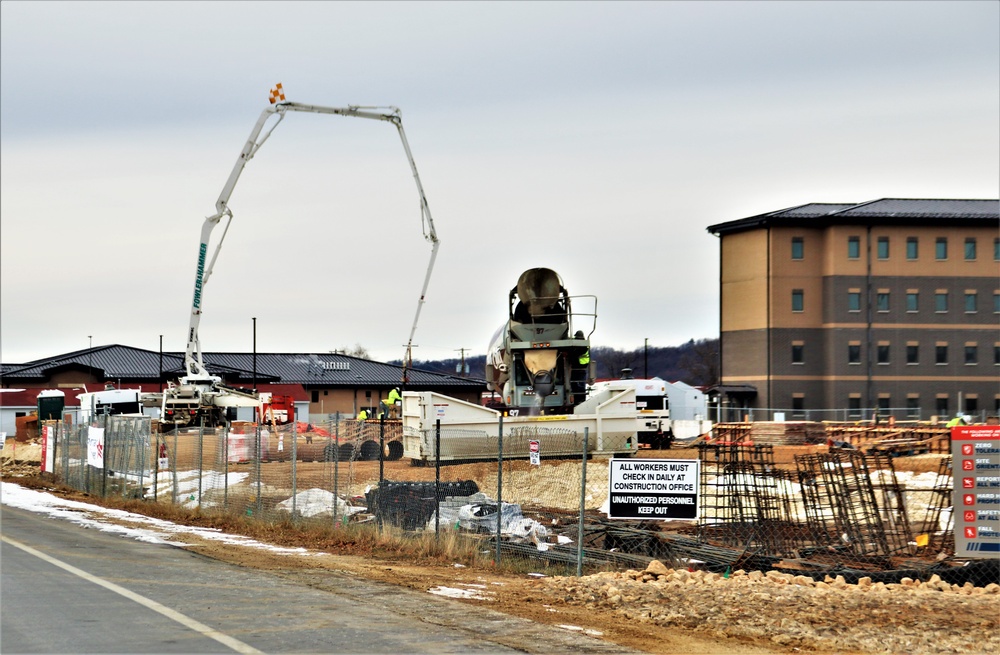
x,y
200,398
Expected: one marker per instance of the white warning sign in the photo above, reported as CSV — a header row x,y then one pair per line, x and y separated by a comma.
x,y
653,488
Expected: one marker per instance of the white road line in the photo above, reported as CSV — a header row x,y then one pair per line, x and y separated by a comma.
x,y
186,621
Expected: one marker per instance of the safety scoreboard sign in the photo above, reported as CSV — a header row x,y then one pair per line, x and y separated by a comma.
x,y
975,457
653,489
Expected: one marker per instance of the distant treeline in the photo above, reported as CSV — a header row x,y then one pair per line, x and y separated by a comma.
x,y
695,362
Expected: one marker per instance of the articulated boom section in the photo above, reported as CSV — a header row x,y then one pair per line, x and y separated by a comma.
x,y
199,395
537,361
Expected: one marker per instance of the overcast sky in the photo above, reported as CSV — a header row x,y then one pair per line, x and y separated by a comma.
x,y
597,139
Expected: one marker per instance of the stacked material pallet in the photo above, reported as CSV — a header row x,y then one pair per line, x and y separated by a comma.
x,y
789,433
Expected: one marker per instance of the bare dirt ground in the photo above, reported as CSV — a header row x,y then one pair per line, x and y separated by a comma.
x,y
661,610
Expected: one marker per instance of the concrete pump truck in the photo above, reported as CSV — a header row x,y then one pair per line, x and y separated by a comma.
x,y
199,397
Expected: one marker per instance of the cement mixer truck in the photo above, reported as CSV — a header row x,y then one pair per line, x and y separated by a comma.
x,y
534,359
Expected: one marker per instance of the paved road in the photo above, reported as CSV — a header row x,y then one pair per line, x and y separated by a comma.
x,y
70,589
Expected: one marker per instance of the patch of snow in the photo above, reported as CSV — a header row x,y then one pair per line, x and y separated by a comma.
x,y
575,628
452,592
156,531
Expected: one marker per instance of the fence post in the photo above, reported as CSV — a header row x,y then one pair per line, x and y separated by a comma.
x,y
381,448
257,463
295,470
142,440
225,468
583,504
201,456
104,459
336,465
437,479
173,475
496,560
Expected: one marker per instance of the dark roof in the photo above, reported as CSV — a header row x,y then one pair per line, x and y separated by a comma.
x,y
887,211
116,362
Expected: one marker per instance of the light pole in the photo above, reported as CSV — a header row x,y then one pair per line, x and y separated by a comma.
x,y
255,354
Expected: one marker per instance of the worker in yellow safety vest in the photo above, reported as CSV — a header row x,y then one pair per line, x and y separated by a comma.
x,y
958,420
388,407
362,416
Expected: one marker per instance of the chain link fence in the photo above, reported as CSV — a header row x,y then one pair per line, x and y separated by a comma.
x,y
530,495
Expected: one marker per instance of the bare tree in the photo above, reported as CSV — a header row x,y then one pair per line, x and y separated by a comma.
x,y
610,362
702,361
358,351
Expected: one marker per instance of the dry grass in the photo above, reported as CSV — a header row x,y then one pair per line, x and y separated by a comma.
x,y
364,539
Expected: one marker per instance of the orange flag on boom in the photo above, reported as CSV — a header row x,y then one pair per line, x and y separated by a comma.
x,y
277,94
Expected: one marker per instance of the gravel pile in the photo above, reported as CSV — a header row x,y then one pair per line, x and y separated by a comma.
x,y
799,612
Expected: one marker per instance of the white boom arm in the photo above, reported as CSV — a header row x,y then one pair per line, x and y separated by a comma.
x,y
196,372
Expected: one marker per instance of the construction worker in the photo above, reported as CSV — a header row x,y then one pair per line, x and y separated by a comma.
x,y
394,397
958,420
362,415
578,373
394,401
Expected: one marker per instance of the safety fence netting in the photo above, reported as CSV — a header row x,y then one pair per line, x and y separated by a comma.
x,y
540,495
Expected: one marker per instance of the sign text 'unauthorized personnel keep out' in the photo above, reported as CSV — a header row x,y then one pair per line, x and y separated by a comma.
x,y
653,489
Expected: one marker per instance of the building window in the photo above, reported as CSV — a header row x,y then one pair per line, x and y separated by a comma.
x,y
913,407
883,405
797,353
941,354
882,247
854,353
912,301
971,355
798,300
970,249
882,353
996,355
853,247
941,248
854,301
912,353
798,406
911,248
941,406
971,302
882,301
996,249
797,248
854,407
971,404
315,395
941,302
996,302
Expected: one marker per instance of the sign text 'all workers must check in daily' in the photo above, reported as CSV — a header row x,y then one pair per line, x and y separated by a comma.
x,y
653,489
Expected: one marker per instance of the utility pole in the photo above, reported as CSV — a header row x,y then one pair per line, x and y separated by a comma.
x,y
463,368
254,354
